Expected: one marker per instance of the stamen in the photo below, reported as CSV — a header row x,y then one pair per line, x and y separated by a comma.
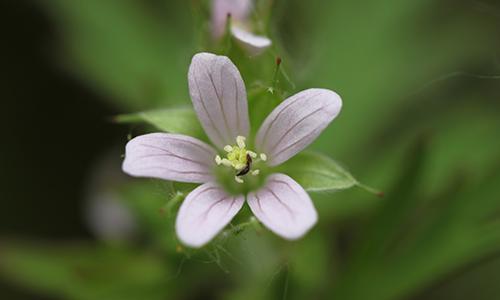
x,y
226,162
239,166
240,159
240,140
252,154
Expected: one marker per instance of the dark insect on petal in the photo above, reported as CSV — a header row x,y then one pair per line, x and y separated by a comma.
x,y
245,170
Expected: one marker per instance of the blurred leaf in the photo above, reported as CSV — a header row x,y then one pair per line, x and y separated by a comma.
x,y
307,272
148,201
84,271
421,238
174,120
317,172
257,265
130,50
479,282
373,56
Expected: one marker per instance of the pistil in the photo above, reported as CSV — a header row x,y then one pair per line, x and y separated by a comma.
x,y
240,159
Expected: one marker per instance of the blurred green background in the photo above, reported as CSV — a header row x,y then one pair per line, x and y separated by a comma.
x,y
420,81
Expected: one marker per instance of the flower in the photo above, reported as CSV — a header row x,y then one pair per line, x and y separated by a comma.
x,y
219,98
239,11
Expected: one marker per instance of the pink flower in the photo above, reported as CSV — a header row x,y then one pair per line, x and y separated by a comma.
x,y
239,10
219,98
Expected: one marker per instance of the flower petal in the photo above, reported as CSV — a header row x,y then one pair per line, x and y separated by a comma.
x,y
283,206
255,44
219,98
169,156
296,122
205,212
238,9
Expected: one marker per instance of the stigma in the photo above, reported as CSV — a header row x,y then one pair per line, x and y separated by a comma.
x,y
240,159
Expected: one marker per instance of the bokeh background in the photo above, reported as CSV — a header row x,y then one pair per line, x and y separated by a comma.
x,y
420,80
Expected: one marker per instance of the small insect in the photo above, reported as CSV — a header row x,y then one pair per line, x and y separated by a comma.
x,y
246,169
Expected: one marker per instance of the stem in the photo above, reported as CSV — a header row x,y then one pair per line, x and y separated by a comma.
x,y
227,35
237,229
168,207
275,76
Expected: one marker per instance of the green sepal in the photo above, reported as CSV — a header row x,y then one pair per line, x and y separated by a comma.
x,y
180,120
316,172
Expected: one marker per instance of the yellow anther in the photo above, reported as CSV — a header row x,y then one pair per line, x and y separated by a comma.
x,y
240,140
240,159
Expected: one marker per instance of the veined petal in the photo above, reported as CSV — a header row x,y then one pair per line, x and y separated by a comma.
x,y
255,44
283,206
219,98
169,156
205,212
296,122
238,9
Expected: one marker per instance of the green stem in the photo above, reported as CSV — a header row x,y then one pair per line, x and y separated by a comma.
x,y
169,206
237,229
227,35
275,76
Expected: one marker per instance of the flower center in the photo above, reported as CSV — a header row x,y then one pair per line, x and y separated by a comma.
x,y
240,159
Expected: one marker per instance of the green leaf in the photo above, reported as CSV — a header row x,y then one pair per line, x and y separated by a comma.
x,y
151,203
84,271
174,120
307,272
130,50
317,172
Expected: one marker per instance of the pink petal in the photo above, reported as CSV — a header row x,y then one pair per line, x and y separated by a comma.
x,y
255,44
296,122
238,9
169,156
284,207
219,98
205,212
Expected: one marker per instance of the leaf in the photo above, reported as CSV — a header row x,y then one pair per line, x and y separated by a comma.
x,y
307,272
84,271
150,201
430,235
129,50
317,172
174,120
